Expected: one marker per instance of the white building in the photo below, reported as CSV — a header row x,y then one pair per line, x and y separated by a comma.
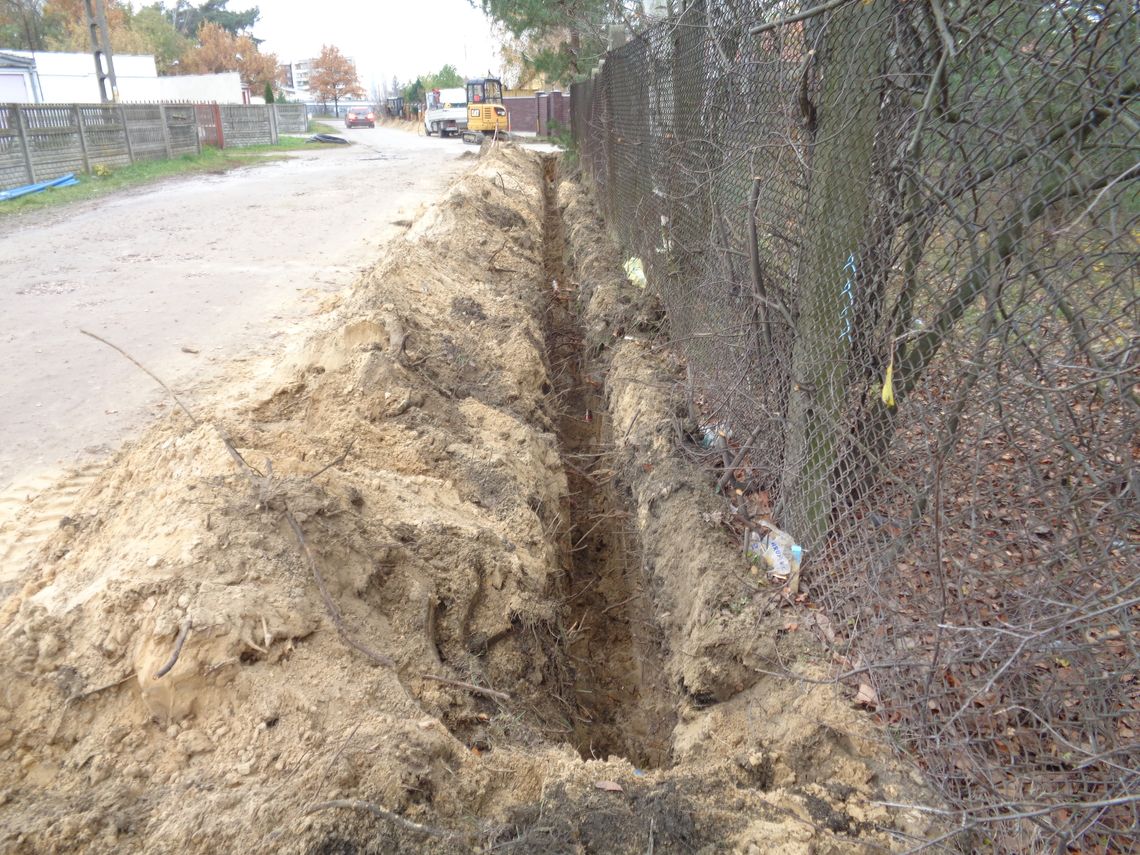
x,y
223,88
294,77
41,77
294,80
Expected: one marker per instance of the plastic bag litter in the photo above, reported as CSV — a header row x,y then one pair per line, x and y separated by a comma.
x,y
711,432
776,551
635,271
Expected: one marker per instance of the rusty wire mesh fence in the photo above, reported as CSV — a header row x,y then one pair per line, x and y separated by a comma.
x,y
897,244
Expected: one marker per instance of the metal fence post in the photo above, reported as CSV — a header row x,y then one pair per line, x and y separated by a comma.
x,y
127,133
77,111
21,129
165,132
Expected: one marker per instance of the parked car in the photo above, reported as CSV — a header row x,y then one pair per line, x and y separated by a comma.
x,y
357,117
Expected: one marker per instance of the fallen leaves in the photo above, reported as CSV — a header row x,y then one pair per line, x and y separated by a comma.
x,y
825,626
867,697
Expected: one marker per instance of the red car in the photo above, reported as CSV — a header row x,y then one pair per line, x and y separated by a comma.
x,y
358,117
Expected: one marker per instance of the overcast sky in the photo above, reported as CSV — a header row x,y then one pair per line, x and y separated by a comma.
x,y
404,38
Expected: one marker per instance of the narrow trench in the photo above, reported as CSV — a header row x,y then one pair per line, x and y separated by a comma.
x,y
623,704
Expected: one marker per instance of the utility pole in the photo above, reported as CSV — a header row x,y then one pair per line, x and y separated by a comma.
x,y
101,47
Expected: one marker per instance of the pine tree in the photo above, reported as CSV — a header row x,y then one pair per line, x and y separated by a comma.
x,y
567,36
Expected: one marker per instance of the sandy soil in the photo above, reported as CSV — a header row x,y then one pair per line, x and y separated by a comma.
x,y
443,582
227,266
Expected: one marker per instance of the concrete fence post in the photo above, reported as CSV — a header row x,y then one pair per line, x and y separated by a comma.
x,y
127,133
165,132
25,147
77,111
272,123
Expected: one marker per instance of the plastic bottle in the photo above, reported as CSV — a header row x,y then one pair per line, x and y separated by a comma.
x,y
794,579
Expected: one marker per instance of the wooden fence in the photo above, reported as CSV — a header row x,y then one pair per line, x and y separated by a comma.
x,y
292,118
43,141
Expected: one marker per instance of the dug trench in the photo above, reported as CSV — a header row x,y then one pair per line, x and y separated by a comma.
x,y
622,705
463,594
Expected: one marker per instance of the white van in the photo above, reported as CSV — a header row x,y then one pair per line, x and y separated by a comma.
x,y
445,112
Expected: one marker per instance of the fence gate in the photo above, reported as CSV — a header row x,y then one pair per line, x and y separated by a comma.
x,y
210,125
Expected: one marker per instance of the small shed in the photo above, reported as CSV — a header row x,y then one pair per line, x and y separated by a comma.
x,y
19,83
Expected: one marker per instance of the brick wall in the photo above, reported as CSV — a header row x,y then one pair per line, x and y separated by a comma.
x,y
553,109
523,112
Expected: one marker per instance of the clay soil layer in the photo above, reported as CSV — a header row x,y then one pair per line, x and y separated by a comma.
x,y
445,584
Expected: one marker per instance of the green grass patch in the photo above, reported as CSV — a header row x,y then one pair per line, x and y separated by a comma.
x,y
210,161
316,127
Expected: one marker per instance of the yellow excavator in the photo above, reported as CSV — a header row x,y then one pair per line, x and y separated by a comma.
x,y
485,111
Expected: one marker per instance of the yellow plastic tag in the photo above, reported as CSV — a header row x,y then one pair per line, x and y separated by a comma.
x,y
889,386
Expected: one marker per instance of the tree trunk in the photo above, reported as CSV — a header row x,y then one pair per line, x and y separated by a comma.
x,y
837,219
684,165
575,50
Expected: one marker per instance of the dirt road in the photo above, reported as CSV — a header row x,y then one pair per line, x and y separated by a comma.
x,y
222,265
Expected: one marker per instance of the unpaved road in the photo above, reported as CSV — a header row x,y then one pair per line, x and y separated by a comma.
x,y
223,265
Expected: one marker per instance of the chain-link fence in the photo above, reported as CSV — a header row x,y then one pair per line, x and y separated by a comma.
x,y
897,243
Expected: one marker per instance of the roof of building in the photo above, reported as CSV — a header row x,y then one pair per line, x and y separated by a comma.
x,y
11,60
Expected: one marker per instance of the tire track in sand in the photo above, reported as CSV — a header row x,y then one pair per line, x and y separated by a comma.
x,y
30,511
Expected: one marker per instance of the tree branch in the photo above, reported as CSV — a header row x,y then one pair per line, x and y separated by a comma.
x,y
471,687
927,344
147,372
801,16
1082,125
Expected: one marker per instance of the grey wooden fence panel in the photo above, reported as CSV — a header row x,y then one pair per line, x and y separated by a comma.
x,y
292,118
247,125
42,141
147,137
52,138
106,135
13,169
182,124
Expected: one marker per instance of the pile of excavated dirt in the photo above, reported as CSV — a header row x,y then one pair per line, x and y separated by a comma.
x,y
445,586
